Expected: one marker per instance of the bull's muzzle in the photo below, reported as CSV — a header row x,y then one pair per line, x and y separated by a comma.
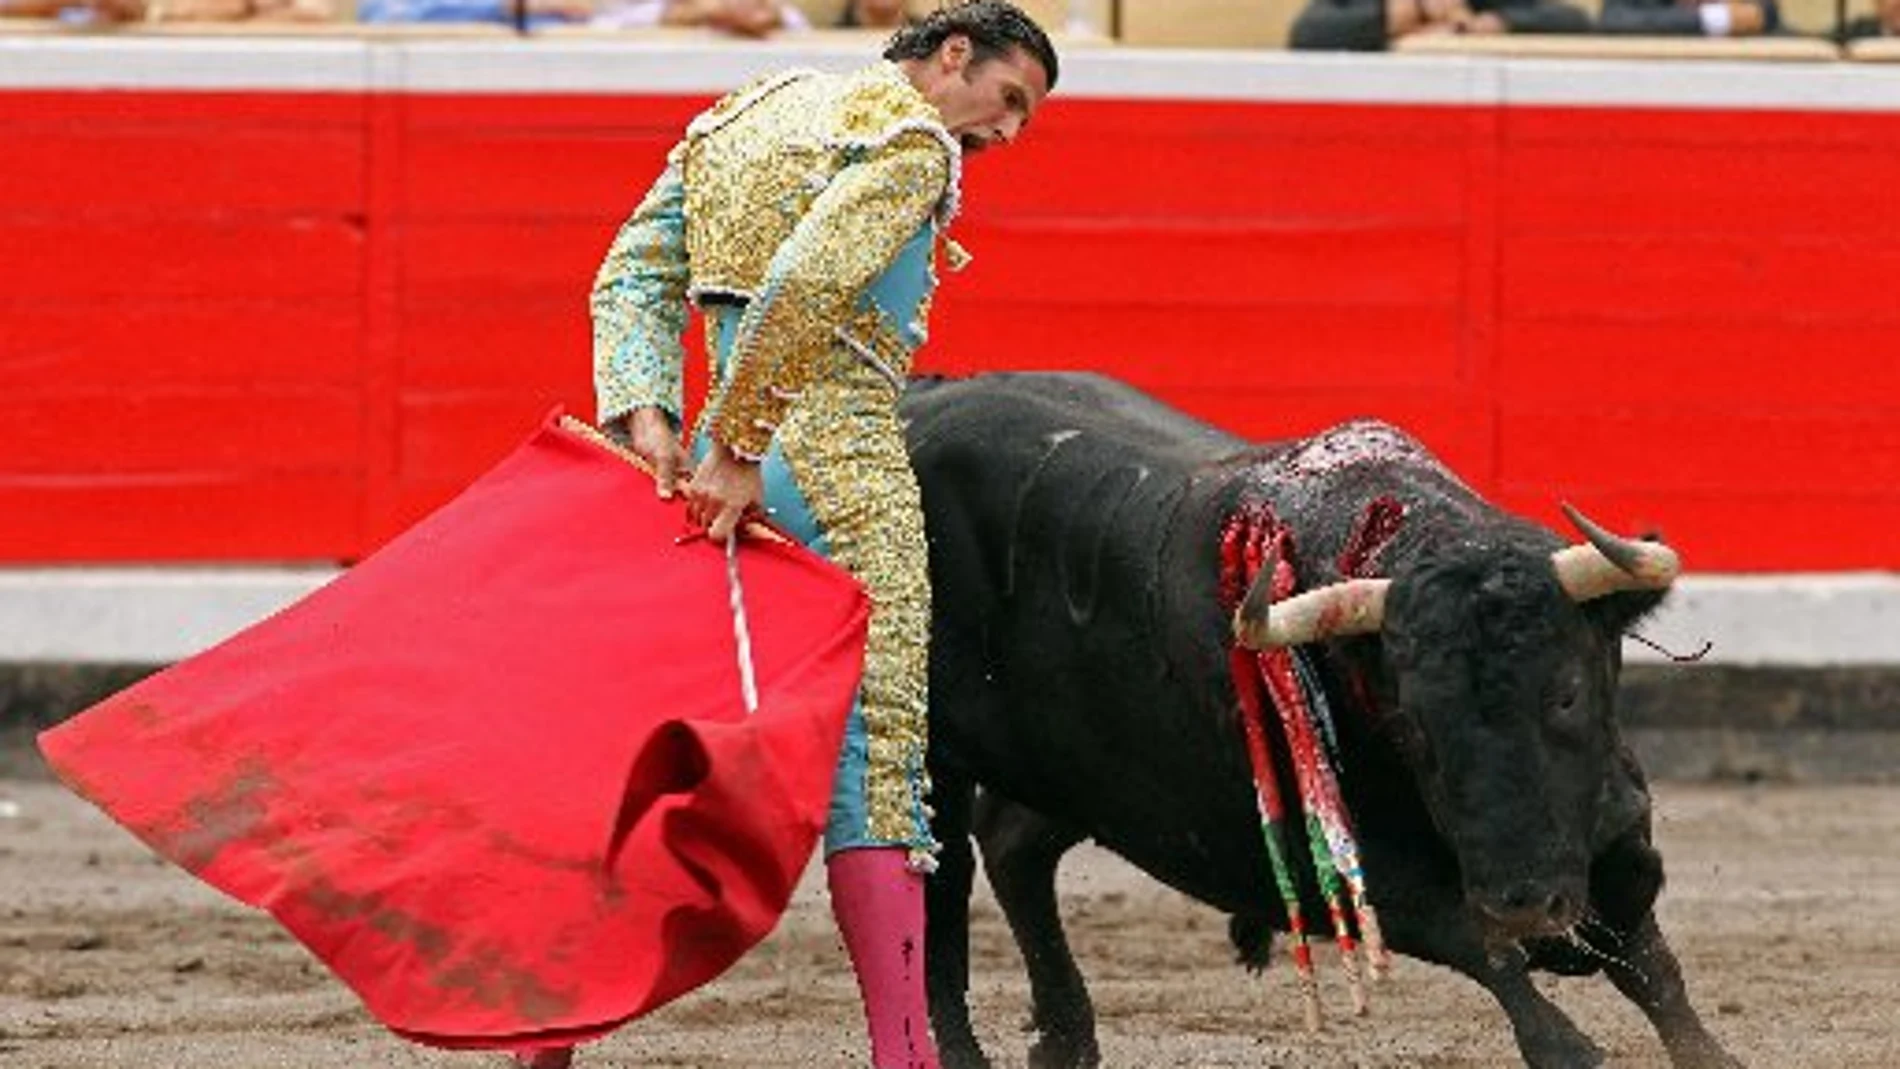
x,y
1528,909
1604,564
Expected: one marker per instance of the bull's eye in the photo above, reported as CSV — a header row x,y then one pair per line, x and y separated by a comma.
x,y
1566,697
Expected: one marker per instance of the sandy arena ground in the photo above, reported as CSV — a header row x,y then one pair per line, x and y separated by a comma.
x,y
1784,904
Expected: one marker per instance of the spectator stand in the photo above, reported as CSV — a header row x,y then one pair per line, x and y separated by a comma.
x,y
1590,46
1205,23
1192,24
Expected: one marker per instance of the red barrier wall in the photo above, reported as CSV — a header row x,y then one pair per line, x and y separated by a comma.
x,y
265,325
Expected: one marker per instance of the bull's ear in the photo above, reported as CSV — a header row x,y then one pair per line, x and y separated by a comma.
x,y
1623,610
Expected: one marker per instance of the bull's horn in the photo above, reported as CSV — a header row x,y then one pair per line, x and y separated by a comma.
x,y
1354,607
1610,563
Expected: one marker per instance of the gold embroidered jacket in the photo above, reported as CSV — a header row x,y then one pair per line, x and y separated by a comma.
x,y
792,196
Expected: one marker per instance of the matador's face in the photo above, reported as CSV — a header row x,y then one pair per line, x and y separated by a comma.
x,y
989,102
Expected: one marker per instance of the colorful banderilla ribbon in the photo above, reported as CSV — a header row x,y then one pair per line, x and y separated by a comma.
x,y
1251,540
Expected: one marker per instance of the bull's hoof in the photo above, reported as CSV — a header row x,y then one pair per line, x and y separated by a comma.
x,y
1709,1055
1052,1052
1252,938
961,1055
1566,1055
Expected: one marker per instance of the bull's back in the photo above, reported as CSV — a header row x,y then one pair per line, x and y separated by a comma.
x,y
1051,484
1078,657
1004,420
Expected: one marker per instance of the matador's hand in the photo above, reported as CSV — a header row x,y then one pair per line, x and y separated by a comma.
x,y
722,490
651,438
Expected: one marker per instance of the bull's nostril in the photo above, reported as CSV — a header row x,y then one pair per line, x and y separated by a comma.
x,y
1525,897
1527,908
1557,909
1530,904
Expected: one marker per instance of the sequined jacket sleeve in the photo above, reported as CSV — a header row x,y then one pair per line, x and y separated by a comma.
x,y
639,308
849,236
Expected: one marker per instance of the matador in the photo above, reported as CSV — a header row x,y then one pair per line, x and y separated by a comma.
x,y
805,216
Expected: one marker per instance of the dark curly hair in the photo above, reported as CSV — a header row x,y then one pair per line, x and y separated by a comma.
x,y
994,28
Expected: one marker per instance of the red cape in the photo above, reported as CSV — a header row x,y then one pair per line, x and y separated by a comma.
x,y
499,776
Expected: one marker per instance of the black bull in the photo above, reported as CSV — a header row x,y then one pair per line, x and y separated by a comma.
x,y
1080,676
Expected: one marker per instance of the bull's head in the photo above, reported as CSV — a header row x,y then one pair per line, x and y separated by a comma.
x,y
1503,666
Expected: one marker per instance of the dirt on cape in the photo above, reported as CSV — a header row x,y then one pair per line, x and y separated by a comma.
x,y
1783,903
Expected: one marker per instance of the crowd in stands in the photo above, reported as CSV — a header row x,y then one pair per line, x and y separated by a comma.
x,y
1371,25
742,18
1330,25
187,11
1883,22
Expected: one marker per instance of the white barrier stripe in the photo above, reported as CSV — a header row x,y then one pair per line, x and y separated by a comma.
x,y
209,63
563,64
138,615
570,65
711,67
1818,619
1277,77
158,615
1702,84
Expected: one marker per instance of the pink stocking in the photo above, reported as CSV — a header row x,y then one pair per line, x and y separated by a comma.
x,y
879,905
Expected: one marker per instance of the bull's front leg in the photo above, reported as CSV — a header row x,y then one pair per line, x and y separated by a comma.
x,y
1647,974
1424,916
1624,883
1546,1037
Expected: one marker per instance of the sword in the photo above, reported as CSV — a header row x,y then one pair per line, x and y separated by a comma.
x,y
741,632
